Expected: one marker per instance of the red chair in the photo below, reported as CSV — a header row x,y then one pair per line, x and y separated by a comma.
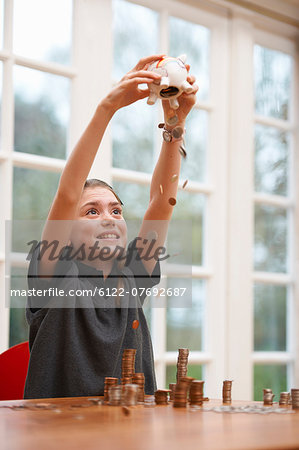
x,y
13,371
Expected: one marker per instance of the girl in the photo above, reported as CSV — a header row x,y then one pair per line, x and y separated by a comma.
x,y
76,341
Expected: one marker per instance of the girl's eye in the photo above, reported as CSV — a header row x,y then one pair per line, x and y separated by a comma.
x,y
91,211
116,211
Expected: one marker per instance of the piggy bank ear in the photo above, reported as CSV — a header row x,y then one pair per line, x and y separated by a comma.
x,y
183,58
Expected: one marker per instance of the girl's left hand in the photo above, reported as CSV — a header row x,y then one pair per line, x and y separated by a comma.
x,y
127,90
186,102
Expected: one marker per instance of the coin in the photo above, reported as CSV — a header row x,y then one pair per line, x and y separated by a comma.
x,y
172,201
126,410
183,152
185,184
172,120
135,324
174,178
152,235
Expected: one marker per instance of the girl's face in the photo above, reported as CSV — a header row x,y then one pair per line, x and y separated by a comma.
x,y
100,222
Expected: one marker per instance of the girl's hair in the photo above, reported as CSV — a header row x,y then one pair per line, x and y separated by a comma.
x,y
93,182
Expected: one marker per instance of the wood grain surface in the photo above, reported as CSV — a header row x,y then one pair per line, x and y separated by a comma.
x,y
160,427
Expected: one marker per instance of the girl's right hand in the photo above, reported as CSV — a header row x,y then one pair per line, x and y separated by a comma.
x,y
126,90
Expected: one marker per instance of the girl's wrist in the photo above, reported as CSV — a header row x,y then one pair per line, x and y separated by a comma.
x,y
107,107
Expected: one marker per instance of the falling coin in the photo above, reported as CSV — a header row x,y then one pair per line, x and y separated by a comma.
x,y
152,235
135,324
172,120
185,184
174,178
183,151
161,188
172,201
125,410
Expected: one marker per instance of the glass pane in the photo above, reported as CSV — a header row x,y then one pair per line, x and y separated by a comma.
x,y
270,377
194,40
133,131
273,82
43,30
185,325
135,198
132,39
191,207
270,318
271,160
194,370
271,237
194,167
18,330
33,193
42,108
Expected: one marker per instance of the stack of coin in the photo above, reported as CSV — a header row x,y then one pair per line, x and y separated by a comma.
x,y
161,396
115,395
187,380
172,390
129,394
109,381
227,391
182,363
196,392
295,398
268,398
284,399
128,365
138,378
180,395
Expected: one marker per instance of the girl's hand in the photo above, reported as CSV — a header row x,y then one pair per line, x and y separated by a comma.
x,y
186,102
126,90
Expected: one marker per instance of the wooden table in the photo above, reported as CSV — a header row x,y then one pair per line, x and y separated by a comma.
x,y
152,428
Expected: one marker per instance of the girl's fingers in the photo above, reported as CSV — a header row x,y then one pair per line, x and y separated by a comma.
x,y
191,79
143,73
147,60
138,80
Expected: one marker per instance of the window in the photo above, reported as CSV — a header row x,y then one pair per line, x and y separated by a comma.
x,y
273,231
240,203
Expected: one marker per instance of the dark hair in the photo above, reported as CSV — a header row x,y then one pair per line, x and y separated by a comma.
x,y
93,182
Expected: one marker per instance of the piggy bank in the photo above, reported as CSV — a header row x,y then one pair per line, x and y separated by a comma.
x,y
173,80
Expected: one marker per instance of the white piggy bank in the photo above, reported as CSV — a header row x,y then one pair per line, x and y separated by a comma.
x,y
173,80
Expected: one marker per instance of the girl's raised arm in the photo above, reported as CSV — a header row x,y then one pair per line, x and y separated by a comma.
x,y
77,168
164,185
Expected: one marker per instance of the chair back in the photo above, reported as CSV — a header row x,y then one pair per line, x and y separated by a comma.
x,y
13,371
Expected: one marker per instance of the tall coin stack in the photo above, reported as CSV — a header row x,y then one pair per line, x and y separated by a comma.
x,y
138,378
128,365
295,398
196,392
109,382
161,396
180,395
182,363
284,399
172,390
227,391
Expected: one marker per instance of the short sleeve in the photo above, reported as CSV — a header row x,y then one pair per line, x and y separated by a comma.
x,y
141,276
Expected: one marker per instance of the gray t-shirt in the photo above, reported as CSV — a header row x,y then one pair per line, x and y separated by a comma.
x,y
73,349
